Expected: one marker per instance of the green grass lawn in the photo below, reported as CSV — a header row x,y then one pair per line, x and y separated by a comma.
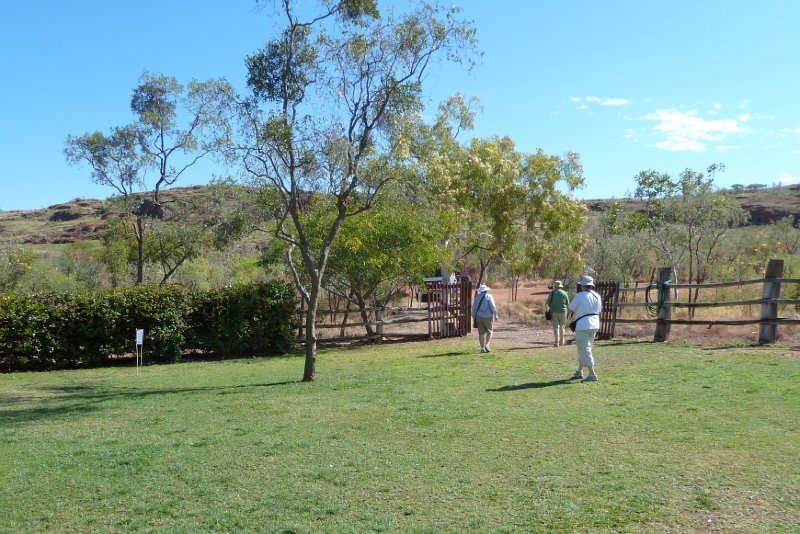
x,y
424,437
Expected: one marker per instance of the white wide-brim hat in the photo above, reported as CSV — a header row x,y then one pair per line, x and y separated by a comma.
x,y
483,288
586,280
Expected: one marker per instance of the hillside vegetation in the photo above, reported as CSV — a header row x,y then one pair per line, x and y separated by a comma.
x,y
765,205
84,219
76,220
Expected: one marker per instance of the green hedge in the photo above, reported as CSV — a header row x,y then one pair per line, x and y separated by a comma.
x,y
57,331
243,320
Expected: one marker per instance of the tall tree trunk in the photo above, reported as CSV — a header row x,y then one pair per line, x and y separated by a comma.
x,y
484,268
362,304
140,245
310,369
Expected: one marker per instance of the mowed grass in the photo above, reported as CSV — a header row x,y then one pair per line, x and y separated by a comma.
x,y
423,437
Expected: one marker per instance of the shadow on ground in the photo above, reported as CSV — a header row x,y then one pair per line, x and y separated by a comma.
x,y
535,385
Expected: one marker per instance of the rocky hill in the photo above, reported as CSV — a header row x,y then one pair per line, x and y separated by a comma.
x,y
764,205
77,220
83,219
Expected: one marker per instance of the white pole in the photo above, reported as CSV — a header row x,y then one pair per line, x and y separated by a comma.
x,y
139,349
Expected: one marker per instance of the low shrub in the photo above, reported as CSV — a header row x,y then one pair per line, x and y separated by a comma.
x,y
245,320
68,330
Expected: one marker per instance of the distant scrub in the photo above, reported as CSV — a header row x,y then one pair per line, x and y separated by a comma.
x,y
68,330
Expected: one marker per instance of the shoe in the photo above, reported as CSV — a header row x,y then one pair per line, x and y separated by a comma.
x,y
590,378
488,350
577,376
483,350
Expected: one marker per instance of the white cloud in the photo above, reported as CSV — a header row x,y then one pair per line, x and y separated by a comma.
x,y
796,130
685,131
786,178
602,101
615,102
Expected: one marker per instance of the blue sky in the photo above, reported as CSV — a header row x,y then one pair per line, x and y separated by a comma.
x,y
629,85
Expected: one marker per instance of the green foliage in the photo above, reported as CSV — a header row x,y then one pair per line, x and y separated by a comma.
x,y
65,330
687,219
15,263
245,320
391,246
284,67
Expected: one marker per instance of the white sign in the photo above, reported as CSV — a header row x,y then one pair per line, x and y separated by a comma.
x,y
139,336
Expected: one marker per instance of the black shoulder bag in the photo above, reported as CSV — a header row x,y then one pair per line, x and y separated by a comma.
x,y
574,323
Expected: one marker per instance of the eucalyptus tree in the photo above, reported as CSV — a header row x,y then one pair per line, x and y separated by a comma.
x,y
507,196
175,127
326,116
379,252
116,161
687,218
504,205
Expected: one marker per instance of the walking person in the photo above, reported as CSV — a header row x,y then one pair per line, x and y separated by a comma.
x,y
557,303
484,313
586,308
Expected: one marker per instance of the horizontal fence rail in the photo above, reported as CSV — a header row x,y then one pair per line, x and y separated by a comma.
x,y
447,314
711,304
662,303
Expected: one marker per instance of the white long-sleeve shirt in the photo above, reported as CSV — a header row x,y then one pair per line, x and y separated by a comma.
x,y
584,303
487,308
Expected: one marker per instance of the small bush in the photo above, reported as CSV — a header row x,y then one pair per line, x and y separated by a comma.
x,y
245,320
67,330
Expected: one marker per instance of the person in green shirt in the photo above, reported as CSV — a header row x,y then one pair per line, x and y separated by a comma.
x,y
557,303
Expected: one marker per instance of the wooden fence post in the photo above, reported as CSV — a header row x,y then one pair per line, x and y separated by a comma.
x,y
379,321
768,333
665,311
614,310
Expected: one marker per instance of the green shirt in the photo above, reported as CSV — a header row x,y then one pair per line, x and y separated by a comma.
x,y
558,301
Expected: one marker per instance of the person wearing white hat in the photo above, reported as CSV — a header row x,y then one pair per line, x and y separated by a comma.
x,y
484,312
586,308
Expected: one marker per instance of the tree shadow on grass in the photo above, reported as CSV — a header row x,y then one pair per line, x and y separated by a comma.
x,y
443,355
538,345
623,342
535,385
81,400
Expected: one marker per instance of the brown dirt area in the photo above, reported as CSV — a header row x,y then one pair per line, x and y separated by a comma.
x,y
525,322
522,326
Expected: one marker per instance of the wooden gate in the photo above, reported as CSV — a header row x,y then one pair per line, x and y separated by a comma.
x,y
608,292
449,308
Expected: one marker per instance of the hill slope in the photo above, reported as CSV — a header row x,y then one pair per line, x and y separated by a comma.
x,y
765,206
83,219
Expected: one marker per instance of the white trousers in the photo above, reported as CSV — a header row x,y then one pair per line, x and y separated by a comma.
x,y
584,340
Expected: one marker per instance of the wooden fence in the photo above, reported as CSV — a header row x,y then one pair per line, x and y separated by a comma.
x,y
663,304
608,292
449,308
447,314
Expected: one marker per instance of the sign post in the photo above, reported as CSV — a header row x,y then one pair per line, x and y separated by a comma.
x,y
139,348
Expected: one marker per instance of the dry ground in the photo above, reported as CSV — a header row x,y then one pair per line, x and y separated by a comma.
x,y
522,321
522,325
